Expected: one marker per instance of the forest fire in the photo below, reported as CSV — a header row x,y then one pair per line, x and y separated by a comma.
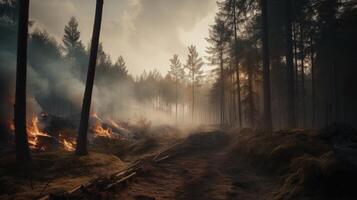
x,y
68,145
99,131
34,133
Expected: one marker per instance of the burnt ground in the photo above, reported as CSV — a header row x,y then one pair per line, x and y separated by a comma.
x,y
200,169
233,164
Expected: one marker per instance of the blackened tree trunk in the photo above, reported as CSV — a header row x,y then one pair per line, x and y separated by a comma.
x,y
268,124
296,75
236,64
250,92
22,147
290,67
313,92
83,126
302,54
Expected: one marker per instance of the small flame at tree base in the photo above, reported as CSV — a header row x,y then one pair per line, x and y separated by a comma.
x,y
33,134
68,145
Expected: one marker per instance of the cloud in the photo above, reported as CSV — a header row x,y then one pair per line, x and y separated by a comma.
x,y
146,32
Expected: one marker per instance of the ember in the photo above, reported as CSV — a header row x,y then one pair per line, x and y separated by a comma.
x,y
68,145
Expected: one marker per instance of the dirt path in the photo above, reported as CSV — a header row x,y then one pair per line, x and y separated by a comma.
x,y
201,169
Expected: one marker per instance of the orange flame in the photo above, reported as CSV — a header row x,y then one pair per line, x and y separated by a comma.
x,y
33,133
68,145
99,131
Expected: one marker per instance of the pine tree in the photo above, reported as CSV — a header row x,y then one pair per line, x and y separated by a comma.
x,y
120,65
177,72
71,38
219,37
194,65
81,148
290,65
268,124
22,147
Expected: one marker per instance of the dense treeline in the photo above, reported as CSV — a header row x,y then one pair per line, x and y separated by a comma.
x,y
58,70
309,57
311,50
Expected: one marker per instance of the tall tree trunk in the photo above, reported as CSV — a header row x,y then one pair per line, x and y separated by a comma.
x,y
222,96
313,92
250,93
290,67
302,52
268,124
22,147
237,64
296,76
176,101
193,96
234,97
87,99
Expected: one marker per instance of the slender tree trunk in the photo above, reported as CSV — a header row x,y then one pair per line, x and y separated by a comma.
x,y
222,88
237,64
234,98
176,100
313,97
83,126
193,96
296,75
290,67
302,52
268,124
250,93
22,147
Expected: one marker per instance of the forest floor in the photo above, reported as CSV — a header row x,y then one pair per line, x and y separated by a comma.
x,y
207,164
200,169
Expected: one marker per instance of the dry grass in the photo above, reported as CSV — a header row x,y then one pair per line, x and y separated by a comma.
x,y
306,161
60,171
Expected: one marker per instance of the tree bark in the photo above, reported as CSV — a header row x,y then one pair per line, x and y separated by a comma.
x,y
313,92
222,88
22,147
290,67
176,100
250,92
193,96
237,64
302,52
83,126
268,124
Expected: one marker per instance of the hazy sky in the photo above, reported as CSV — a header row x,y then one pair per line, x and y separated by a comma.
x,y
146,32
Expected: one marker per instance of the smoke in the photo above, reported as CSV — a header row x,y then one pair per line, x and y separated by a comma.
x,y
150,29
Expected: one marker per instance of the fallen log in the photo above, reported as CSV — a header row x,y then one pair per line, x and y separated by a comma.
x,y
120,181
